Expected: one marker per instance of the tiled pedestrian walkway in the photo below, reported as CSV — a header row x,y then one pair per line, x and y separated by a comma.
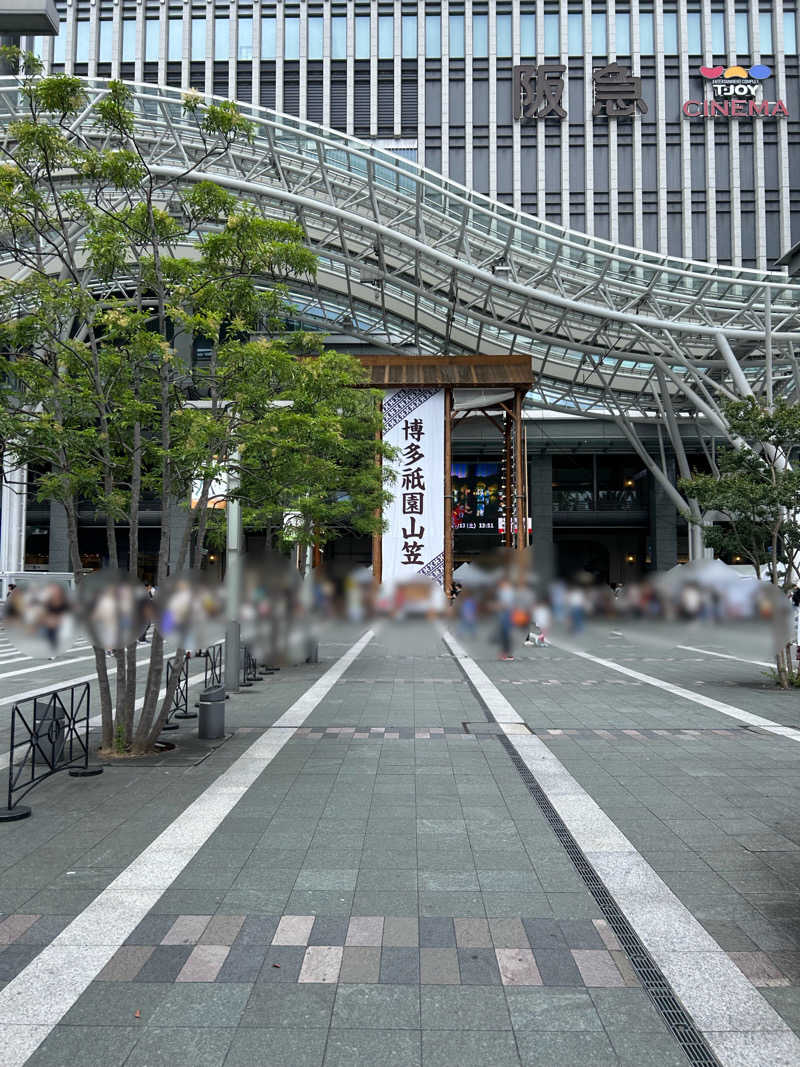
x,y
387,891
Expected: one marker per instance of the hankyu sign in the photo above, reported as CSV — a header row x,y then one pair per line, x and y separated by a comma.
x,y
413,542
736,93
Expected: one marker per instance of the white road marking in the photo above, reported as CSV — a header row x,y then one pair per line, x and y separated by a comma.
x,y
735,1019
33,1003
687,694
497,704
45,666
725,655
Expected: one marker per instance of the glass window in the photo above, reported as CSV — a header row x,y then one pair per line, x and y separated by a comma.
x,y
268,38
646,43
362,36
623,32
551,35
503,35
104,46
433,36
291,38
790,33
671,33
174,40
527,32
128,41
599,47
198,39
245,42
58,43
742,34
718,33
82,42
221,39
575,33
151,40
694,33
409,26
385,37
480,35
315,28
765,32
457,36
338,37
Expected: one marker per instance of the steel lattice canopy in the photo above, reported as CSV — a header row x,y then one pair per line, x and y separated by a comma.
x,y
411,263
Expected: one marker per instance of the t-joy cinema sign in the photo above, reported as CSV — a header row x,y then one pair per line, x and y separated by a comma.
x,y
736,93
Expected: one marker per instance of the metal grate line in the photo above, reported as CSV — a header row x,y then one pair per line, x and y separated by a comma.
x,y
652,978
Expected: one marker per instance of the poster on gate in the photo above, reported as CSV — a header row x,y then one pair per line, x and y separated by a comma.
x,y
413,542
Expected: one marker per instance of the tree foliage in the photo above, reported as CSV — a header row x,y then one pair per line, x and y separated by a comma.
x,y
118,269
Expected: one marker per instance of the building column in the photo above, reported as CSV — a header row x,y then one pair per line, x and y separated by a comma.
x,y
541,511
58,550
663,524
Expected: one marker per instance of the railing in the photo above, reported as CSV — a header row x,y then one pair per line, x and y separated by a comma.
x,y
248,670
213,656
49,733
180,698
606,500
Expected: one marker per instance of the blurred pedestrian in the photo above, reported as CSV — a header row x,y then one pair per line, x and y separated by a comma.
x,y
505,607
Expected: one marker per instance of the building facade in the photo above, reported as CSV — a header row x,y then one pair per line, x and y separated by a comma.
x,y
629,152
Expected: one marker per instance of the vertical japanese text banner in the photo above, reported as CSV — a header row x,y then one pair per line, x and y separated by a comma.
x,y
413,542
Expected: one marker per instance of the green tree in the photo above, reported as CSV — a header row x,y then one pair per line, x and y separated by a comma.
x,y
756,492
118,269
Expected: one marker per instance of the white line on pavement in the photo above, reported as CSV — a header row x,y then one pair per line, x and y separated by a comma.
x,y
45,666
687,694
736,1020
34,1002
725,655
490,695
41,690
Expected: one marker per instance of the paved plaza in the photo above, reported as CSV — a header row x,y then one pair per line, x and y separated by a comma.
x,y
411,853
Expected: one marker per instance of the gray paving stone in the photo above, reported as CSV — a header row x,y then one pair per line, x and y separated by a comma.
x,y
401,932
461,1008
470,1048
478,966
282,963
365,1048
164,964
544,933
399,966
276,1047
126,963
472,933
328,930
560,1049
437,932
376,1007
243,963
439,966
581,933
305,1006
552,1009
627,1011
151,930
257,930
14,958
360,964
89,1046
114,1004
634,1048
183,1047
202,1005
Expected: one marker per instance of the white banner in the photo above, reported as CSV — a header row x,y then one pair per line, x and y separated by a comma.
x,y
413,543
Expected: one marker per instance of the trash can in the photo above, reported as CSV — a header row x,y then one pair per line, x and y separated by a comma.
x,y
211,721
49,732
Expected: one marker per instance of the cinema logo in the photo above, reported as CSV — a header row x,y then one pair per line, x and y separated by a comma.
x,y
735,94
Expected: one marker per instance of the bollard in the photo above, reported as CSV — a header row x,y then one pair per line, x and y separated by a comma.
x,y
211,723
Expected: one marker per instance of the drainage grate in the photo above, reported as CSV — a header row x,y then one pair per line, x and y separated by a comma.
x,y
672,1011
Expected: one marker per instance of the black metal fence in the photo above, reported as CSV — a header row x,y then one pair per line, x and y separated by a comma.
x,y
213,666
180,698
49,733
248,670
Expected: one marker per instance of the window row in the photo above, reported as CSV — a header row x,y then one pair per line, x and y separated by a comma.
x,y
359,46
